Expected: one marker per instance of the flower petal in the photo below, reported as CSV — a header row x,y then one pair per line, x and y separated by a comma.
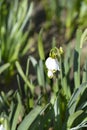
x,y
52,64
1,127
50,74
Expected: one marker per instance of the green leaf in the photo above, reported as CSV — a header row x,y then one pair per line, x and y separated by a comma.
x,y
17,113
24,77
84,77
12,106
40,74
83,38
68,60
57,111
77,53
29,119
64,80
75,97
73,117
28,16
4,67
14,53
80,126
4,97
6,124
45,120
33,60
27,47
40,46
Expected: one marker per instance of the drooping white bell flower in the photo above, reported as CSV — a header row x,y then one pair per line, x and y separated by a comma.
x,y
52,64
1,127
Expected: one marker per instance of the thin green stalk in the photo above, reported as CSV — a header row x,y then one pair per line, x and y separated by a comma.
x,y
64,80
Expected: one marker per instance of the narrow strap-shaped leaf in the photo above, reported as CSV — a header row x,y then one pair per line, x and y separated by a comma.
x,y
64,80
83,38
73,117
77,53
74,99
17,113
40,74
4,67
28,120
84,77
80,126
29,13
40,46
24,77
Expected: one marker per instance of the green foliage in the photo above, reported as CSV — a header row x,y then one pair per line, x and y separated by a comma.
x,y
14,15
17,113
77,54
83,38
23,76
4,67
66,108
40,46
29,119
40,103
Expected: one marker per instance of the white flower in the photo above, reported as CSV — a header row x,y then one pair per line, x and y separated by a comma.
x,y
52,64
1,127
50,74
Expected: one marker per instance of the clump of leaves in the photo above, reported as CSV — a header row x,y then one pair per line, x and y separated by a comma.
x,y
66,109
14,16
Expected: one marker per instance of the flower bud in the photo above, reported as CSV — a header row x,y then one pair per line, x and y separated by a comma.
x,y
61,51
50,74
